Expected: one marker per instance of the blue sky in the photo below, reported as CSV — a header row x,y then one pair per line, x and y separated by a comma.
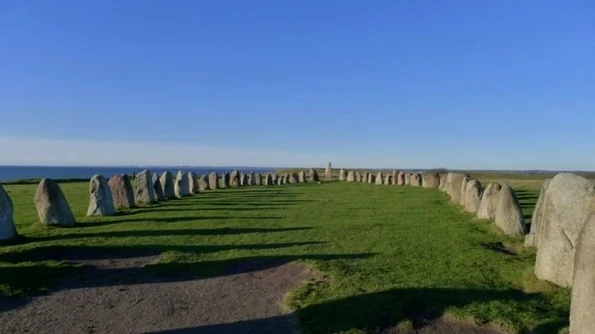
x,y
411,84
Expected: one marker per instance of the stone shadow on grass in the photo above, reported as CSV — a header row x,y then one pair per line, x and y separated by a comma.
x,y
162,233
381,312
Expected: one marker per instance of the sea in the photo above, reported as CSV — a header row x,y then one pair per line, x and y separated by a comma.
x,y
15,173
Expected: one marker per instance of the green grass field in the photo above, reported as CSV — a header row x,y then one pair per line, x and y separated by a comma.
x,y
387,254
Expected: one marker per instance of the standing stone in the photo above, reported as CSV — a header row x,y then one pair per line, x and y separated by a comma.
x,y
430,180
292,178
313,175
268,180
463,190
143,187
358,176
257,179
365,177
275,178
192,183
234,179
243,179
489,202
473,196
569,199
7,229
342,175
387,180
251,179
408,179
101,202
371,178
203,183
181,185
52,207
453,186
401,179
379,177
351,176
328,172
532,239
159,196
167,184
395,179
509,217
442,185
213,181
302,177
122,192
415,180
582,302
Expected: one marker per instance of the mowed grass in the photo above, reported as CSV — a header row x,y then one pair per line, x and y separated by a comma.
x,y
387,255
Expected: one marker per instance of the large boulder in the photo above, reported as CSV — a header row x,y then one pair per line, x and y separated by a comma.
x,y
395,178
489,202
51,204
158,189
401,179
379,178
532,239
203,183
442,184
292,178
7,229
234,179
407,179
302,177
462,198
569,199
509,216
415,180
365,177
181,185
453,186
192,183
101,202
224,181
351,176
582,301
167,184
342,175
143,188
313,175
387,179
328,172
268,179
213,181
251,179
430,180
275,178
122,192
473,196
257,179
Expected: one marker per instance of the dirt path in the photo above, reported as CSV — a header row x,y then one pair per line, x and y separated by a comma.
x,y
247,302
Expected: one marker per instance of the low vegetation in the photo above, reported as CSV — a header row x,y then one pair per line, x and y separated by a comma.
x,y
387,255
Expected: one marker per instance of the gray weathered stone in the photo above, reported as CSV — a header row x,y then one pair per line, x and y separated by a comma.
x,y
275,178
143,187
430,180
313,175
203,183
489,202
401,179
268,180
365,177
292,178
257,179
342,175
7,229
251,179
473,196
379,178
351,176
532,239
51,204
158,189
213,181
509,217
407,179
462,198
442,184
302,177
453,186
387,179
167,185
224,182
582,303
181,185
415,180
101,202
371,178
192,183
395,178
569,200
328,172
234,179
122,192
